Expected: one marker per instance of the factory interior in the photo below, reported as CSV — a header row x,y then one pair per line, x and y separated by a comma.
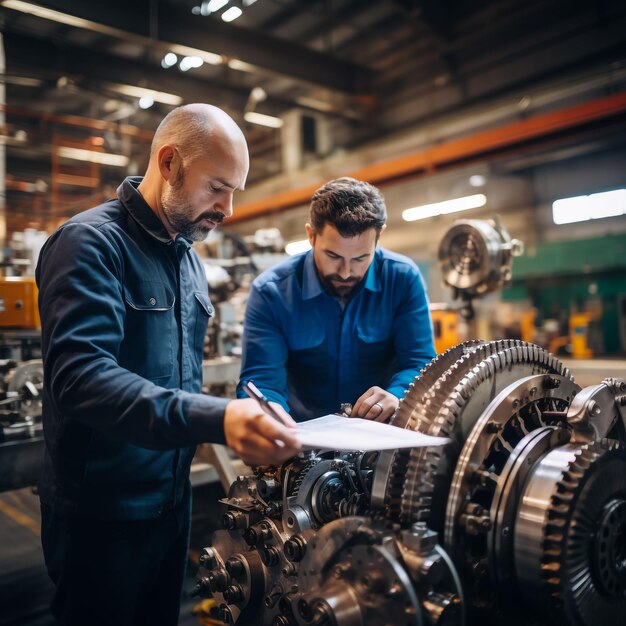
x,y
496,132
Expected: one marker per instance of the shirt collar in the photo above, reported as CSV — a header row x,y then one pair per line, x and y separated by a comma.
x,y
142,213
312,287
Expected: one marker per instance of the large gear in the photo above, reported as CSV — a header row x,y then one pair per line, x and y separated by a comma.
x,y
414,412
573,559
451,408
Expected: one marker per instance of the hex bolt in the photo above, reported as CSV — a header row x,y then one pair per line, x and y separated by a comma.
x,y
208,558
202,585
218,579
270,556
295,548
233,594
235,566
304,610
232,520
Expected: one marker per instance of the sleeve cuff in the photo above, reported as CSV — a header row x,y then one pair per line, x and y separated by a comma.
x,y
206,419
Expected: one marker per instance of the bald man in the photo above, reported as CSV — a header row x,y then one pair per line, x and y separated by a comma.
x,y
124,309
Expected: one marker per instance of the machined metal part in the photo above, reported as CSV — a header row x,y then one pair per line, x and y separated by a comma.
x,y
355,575
26,380
504,506
475,256
517,410
569,537
598,409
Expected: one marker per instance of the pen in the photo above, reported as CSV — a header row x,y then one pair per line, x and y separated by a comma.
x,y
251,389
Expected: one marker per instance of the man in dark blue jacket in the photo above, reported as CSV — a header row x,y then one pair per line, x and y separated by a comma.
x,y
124,308
345,322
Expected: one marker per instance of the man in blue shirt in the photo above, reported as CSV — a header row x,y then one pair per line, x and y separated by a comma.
x,y
345,322
124,309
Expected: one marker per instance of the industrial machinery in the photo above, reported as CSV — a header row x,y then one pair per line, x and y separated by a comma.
x,y
475,257
520,519
21,431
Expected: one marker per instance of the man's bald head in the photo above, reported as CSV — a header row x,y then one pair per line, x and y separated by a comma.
x,y
193,129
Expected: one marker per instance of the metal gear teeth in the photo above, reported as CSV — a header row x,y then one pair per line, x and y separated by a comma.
x,y
448,397
560,513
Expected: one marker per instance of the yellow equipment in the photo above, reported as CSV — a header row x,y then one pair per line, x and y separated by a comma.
x,y
579,334
18,303
445,327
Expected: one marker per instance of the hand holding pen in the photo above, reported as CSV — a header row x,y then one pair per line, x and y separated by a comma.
x,y
259,437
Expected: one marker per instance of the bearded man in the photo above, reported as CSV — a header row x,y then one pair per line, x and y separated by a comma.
x,y
124,309
345,322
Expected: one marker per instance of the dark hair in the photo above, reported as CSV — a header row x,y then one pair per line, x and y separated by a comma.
x,y
351,206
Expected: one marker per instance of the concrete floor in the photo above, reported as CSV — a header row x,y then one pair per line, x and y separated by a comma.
x,y
25,590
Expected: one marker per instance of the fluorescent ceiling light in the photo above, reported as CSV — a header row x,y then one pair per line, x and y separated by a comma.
x,y
296,247
103,29
263,120
591,207
187,63
445,207
231,14
145,102
103,158
216,5
169,60
138,92
477,180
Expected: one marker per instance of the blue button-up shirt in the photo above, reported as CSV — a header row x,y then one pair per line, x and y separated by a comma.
x,y
310,354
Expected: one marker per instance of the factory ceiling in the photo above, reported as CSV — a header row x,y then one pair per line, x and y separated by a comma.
x,y
394,77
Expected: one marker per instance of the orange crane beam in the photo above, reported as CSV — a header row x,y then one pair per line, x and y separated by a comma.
x,y
478,145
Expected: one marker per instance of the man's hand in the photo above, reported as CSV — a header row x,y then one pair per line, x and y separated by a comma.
x,y
256,437
375,404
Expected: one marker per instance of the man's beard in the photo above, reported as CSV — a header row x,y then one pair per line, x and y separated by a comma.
x,y
344,290
177,210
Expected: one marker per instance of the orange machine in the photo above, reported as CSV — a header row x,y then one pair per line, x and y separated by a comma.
x,y
18,303
445,327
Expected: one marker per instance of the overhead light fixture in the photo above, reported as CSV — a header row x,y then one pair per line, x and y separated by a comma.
x,y
169,60
296,247
145,102
216,5
138,92
477,180
231,14
592,207
188,63
102,158
247,3
445,207
262,120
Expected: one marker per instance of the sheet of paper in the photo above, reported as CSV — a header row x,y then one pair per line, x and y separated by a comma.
x,y
335,432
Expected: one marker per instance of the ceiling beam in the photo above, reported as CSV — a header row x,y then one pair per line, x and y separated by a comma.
x,y
240,48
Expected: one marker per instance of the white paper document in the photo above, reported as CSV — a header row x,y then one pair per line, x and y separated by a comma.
x,y
335,432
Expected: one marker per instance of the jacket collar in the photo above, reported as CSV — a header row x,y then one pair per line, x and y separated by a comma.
x,y
312,287
142,213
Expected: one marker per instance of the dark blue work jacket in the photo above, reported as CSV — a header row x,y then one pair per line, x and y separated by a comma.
x,y
124,310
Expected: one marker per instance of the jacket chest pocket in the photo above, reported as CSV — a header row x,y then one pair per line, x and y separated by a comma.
x,y
150,329
204,310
